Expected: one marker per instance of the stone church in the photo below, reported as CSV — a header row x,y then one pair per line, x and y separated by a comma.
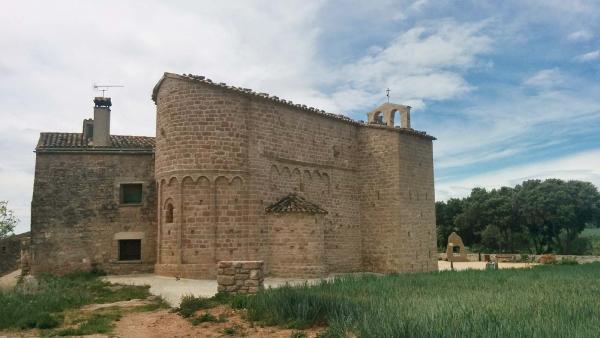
x,y
233,174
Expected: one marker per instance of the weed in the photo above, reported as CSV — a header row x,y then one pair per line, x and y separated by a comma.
x,y
231,330
190,304
101,322
298,334
209,318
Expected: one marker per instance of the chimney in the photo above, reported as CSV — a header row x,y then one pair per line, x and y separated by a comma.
x,y
101,130
88,131
405,117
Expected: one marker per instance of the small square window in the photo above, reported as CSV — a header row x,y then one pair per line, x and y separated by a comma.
x,y
131,193
130,249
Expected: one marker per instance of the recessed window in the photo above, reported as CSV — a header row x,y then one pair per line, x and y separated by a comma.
x,y
169,213
131,193
130,249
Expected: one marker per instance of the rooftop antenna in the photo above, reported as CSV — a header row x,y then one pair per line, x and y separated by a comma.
x,y
387,93
104,88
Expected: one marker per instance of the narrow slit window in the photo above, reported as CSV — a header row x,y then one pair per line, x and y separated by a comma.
x,y
131,193
130,249
169,213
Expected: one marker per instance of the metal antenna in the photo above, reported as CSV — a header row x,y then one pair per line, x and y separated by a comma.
x,y
104,88
388,94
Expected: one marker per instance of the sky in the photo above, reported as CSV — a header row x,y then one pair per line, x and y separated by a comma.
x,y
509,88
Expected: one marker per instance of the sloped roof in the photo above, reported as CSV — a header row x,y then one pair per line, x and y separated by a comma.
x,y
294,203
249,92
67,142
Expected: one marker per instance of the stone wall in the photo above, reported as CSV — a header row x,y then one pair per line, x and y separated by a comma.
x,y
76,215
240,276
10,253
223,156
297,246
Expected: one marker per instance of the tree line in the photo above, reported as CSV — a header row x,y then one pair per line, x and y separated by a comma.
x,y
533,217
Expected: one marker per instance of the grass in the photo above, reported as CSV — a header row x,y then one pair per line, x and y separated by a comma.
x,y
98,322
547,301
43,307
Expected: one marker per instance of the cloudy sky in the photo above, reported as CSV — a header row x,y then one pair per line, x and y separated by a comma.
x,y
510,88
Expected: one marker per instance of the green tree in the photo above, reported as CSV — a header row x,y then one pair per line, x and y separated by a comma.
x,y
8,221
445,213
554,213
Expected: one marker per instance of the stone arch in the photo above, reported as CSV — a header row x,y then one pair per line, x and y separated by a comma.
x,y
375,117
390,117
168,211
286,172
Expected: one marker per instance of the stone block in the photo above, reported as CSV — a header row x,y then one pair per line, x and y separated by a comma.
x,y
255,274
251,282
226,280
252,265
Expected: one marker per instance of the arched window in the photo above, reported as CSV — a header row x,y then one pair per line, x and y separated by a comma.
x,y
169,213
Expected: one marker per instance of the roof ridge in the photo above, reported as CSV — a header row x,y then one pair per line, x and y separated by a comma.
x,y
289,103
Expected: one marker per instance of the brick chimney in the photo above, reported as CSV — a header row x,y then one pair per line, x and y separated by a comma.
x,y
88,130
101,130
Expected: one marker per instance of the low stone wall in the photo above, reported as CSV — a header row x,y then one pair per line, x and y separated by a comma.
x,y
240,276
475,257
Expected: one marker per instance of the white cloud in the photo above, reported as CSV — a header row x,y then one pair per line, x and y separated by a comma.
x,y
590,56
580,35
546,78
426,62
583,166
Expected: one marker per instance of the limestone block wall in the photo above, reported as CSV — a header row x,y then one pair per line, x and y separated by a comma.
x,y
10,253
240,276
222,156
76,214
297,245
294,151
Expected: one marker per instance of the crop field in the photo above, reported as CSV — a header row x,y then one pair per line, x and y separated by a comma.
x,y
546,301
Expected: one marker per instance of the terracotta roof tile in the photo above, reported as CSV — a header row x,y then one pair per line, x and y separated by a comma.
x,y
294,203
75,142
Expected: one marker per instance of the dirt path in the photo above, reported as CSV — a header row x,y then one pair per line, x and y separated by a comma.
x,y
159,324
9,280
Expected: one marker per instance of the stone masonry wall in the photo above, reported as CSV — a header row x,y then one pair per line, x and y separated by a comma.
x,y
10,253
297,245
240,276
76,214
222,157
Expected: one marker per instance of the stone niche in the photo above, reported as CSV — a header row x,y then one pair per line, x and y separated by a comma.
x,y
455,251
240,276
297,238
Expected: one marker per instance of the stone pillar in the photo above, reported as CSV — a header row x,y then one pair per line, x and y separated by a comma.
x,y
240,276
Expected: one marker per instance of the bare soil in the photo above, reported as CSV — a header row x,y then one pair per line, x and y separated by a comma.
x,y
163,323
